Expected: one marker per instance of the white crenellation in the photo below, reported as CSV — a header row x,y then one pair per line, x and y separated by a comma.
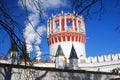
x,y
100,59
103,58
114,56
107,57
93,59
88,60
119,55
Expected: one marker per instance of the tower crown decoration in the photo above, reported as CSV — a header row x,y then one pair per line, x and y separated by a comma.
x,y
65,22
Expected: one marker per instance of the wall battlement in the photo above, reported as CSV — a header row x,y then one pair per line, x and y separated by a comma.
x,y
103,58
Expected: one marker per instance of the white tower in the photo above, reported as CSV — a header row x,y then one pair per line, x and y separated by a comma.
x,y
66,29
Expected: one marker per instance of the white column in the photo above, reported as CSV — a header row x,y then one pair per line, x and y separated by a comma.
x,y
60,21
53,22
77,24
65,22
73,23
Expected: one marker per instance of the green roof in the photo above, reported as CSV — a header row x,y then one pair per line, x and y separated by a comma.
x,y
59,51
73,53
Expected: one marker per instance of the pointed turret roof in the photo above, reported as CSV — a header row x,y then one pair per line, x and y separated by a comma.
x,y
73,53
59,51
13,47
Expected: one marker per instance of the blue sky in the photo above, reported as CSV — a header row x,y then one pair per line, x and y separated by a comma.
x,y
102,36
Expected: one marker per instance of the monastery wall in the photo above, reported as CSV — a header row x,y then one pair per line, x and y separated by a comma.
x,y
12,72
105,63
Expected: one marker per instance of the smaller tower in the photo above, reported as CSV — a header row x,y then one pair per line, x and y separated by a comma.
x,y
59,60
73,64
13,54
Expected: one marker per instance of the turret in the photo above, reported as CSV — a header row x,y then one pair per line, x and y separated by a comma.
x,y
59,58
13,54
73,59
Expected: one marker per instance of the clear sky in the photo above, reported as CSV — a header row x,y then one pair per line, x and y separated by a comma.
x,y
102,34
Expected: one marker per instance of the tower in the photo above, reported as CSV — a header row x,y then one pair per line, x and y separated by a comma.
x,y
66,29
13,54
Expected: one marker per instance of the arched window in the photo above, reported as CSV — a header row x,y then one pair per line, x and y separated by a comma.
x,y
57,24
79,25
69,23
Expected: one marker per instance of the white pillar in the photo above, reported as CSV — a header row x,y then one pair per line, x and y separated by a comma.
x,y
65,22
77,24
73,23
53,23
60,21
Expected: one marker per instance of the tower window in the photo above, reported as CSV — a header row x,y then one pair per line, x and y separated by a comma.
x,y
69,23
79,25
57,24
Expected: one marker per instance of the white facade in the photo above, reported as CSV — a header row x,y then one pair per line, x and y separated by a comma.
x,y
66,47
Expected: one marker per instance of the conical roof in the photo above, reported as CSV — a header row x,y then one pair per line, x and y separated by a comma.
x,y
73,53
13,47
59,51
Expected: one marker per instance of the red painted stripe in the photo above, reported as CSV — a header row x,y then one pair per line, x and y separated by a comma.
x,y
75,38
64,38
72,37
68,38
75,24
55,39
52,41
59,38
62,24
